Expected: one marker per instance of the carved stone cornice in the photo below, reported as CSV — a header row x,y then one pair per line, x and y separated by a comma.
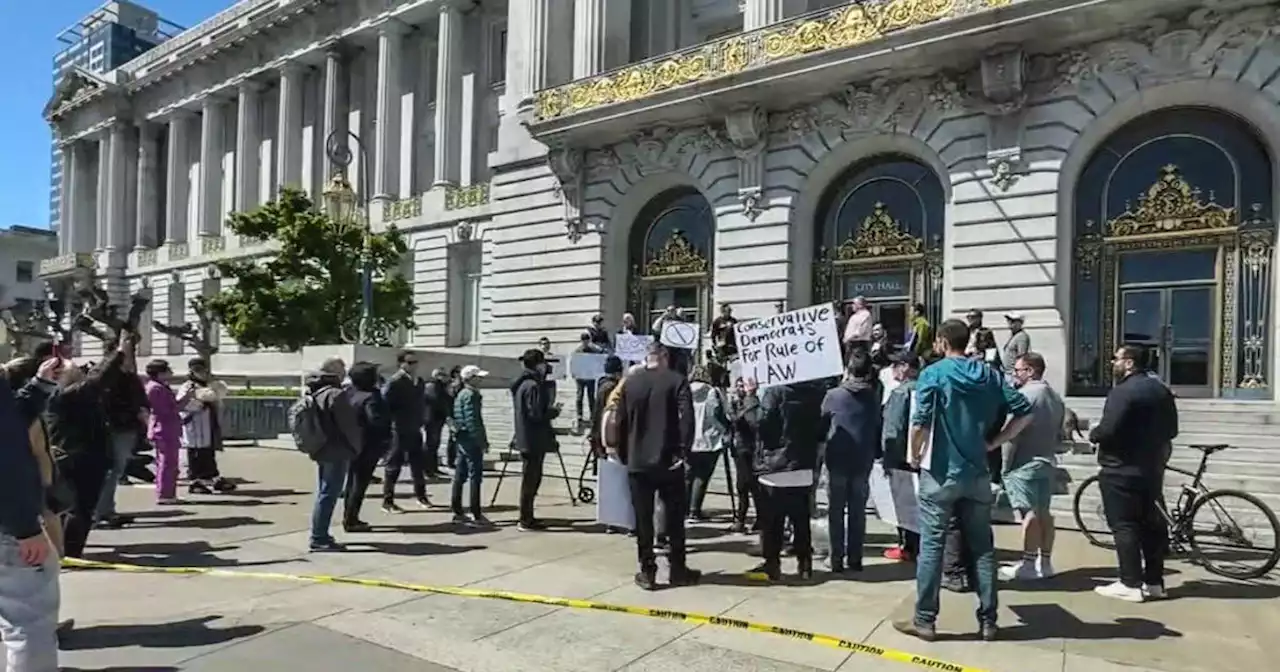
x,y
876,106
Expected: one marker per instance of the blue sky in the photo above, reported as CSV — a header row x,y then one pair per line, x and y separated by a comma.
x,y
27,47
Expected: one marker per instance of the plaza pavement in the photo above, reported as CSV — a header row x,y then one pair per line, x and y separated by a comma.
x,y
218,624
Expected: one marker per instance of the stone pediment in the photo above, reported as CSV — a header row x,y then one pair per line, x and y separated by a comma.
x,y
75,82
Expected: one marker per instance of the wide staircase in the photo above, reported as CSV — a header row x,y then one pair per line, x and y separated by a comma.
x,y
1251,464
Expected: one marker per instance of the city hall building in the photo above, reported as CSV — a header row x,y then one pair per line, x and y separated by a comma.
x,y
1107,169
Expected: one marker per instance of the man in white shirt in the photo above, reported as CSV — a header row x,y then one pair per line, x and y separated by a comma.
x,y
857,332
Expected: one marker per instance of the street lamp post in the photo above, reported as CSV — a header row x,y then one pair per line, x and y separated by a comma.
x,y
342,203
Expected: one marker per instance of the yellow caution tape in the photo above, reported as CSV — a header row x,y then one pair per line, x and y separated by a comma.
x,y
695,618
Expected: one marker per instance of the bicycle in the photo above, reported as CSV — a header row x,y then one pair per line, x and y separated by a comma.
x,y
1194,541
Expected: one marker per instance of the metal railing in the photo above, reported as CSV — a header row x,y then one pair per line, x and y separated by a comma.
x,y
255,417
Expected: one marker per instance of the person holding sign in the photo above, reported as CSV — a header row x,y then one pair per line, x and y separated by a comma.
x,y
853,442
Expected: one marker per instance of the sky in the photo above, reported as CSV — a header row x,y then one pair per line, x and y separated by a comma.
x,y
28,41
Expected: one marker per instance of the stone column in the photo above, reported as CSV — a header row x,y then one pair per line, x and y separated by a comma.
x,y
176,178
335,94
117,189
248,144
70,232
588,37
386,154
761,13
147,225
209,197
103,214
289,137
448,149
536,34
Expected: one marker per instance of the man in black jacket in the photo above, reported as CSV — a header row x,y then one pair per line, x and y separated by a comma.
x,y
534,407
125,406
407,404
375,426
656,428
1139,420
439,409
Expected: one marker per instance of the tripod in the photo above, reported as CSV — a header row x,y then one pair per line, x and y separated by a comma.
x,y
506,460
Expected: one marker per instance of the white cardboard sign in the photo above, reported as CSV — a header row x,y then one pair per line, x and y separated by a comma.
x,y
632,347
683,335
792,347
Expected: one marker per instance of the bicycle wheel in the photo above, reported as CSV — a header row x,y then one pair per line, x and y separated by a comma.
x,y
1236,537
1090,519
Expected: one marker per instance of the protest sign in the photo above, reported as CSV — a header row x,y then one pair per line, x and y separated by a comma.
x,y
791,347
683,335
632,347
613,506
586,366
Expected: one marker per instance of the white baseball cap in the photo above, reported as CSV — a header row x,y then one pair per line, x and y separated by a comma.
x,y
472,371
1013,316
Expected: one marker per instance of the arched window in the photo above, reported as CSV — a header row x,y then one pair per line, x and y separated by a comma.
x,y
880,228
671,256
1172,252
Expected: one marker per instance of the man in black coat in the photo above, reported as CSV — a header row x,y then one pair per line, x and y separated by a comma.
x,y
375,428
439,408
406,402
656,430
534,407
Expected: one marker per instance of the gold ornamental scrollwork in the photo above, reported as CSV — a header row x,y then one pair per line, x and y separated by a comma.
x,y
879,236
840,27
456,198
676,257
1172,206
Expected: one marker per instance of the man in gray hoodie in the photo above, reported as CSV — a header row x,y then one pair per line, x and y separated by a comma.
x,y
344,443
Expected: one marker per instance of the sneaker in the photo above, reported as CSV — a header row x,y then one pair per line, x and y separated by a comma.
x,y
224,486
988,632
391,507
1021,571
955,584
327,546
479,520
1044,567
357,526
424,503
1120,591
738,527
526,526
685,577
461,519
169,501
926,633
897,554
764,572
804,569
646,581
1154,592
834,566
198,488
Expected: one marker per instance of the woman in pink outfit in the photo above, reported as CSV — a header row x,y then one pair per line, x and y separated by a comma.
x,y
164,429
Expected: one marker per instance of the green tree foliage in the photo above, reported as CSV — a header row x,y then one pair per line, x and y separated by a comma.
x,y
309,292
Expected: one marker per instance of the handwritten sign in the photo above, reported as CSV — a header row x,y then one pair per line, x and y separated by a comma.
x,y
586,366
791,347
631,347
683,335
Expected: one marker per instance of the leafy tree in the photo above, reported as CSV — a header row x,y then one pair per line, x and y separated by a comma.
x,y
309,293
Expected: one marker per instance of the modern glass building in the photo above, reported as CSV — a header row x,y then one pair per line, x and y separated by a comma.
x,y
110,36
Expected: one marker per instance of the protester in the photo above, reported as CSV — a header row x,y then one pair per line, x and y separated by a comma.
x,y
375,420
920,340
473,443
894,435
406,401
1029,466
452,386
628,324
724,339
534,436
881,346
1019,342
202,429
605,387
586,387
852,413
956,398
656,429
164,428
598,336
439,412
78,428
857,329
29,597
1139,422
711,435
343,442
126,410
785,463
744,418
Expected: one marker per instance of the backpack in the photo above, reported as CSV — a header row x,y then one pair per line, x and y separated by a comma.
x,y
306,423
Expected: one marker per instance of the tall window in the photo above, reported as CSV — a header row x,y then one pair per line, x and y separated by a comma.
x,y
176,313
498,54
466,271
26,271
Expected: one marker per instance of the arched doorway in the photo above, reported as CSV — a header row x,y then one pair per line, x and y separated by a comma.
x,y
1173,251
670,254
880,231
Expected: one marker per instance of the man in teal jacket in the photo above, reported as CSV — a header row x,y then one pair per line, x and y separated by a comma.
x,y
958,400
473,441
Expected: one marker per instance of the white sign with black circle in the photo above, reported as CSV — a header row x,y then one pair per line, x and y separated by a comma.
x,y
683,335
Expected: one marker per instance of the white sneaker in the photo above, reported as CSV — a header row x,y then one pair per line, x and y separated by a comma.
x,y
1155,592
1020,571
1119,591
1044,568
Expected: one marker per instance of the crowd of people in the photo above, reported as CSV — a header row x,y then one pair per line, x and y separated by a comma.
x,y
951,417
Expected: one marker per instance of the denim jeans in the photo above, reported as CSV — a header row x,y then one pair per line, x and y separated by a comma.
x,y
969,500
122,445
847,515
332,476
28,610
469,467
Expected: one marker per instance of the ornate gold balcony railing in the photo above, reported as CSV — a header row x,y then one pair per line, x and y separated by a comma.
x,y
836,28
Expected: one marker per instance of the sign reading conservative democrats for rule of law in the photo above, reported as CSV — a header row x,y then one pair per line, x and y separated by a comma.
x,y
790,348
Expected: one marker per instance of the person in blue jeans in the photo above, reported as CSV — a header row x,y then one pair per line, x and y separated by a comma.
x,y
957,399
473,443
852,414
344,442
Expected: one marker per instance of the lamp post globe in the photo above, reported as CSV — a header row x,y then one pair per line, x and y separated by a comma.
x,y
339,199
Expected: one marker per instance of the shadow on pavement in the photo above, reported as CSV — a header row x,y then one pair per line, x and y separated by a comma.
x,y
143,668
224,523
1051,621
263,493
180,634
1078,580
416,548
185,554
1225,590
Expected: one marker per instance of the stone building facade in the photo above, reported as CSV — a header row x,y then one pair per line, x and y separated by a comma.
x,y
1107,169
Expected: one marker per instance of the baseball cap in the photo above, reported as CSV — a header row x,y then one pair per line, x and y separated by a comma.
x,y
472,371
1013,316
